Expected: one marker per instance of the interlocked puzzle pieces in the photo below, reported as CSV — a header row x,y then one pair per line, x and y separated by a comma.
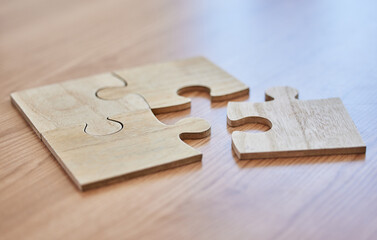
x,y
99,141
161,83
298,128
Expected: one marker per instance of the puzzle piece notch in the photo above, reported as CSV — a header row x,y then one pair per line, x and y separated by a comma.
x,y
144,145
298,128
161,83
74,102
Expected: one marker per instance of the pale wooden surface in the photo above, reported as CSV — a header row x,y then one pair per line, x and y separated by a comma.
x,y
159,83
323,48
296,128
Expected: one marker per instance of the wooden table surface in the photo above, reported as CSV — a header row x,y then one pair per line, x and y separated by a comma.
x,y
322,48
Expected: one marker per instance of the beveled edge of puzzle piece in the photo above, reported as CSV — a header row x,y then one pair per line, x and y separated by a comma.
x,y
15,103
297,153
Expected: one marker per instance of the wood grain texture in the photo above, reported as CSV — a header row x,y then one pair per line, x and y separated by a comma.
x,y
160,83
143,146
323,48
296,128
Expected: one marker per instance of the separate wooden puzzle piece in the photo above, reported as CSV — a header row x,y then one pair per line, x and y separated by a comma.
x,y
298,128
144,145
74,102
161,83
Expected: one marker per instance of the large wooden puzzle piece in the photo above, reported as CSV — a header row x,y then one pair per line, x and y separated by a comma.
x,y
143,145
297,128
161,83
98,141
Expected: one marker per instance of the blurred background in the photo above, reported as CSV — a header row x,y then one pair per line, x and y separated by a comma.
x,y
257,41
324,48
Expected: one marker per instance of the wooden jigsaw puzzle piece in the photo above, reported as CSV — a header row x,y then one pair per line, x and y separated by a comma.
x,y
74,103
297,128
144,145
161,83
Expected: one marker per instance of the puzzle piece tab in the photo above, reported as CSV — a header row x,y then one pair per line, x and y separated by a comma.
x,y
144,145
298,128
161,83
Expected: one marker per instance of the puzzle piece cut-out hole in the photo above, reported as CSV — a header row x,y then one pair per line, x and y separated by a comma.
x,y
160,84
197,88
298,128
